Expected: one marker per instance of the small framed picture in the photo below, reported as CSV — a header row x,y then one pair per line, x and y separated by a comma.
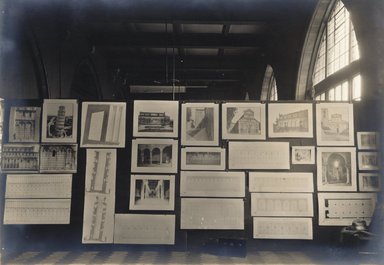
x,y
368,160
244,121
103,124
303,155
200,124
334,123
369,182
20,158
290,120
203,158
24,124
336,169
155,118
368,140
59,121
60,158
154,155
152,192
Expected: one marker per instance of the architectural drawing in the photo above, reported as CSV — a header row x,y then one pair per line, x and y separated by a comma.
x,y
20,158
58,158
24,124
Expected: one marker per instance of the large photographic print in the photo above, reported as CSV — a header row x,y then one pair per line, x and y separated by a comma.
x,y
336,169
152,192
200,124
290,120
103,124
203,158
243,121
154,155
24,124
59,121
334,122
155,118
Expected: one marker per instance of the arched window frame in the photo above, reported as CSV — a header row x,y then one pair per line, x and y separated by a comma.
x,y
269,87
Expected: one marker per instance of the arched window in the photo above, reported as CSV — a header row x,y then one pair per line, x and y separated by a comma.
x,y
335,75
269,87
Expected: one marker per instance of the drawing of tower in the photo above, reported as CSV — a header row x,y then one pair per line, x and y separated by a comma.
x,y
99,215
60,121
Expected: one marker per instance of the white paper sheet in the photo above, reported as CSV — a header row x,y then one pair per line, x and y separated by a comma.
x,y
280,181
203,158
144,229
220,214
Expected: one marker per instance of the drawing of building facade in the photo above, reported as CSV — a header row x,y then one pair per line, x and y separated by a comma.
x,y
296,121
154,155
154,120
333,124
26,124
203,158
99,180
20,158
246,124
58,157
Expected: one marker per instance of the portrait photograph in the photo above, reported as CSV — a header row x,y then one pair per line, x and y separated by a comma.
x,y
59,124
369,182
24,124
368,160
154,155
243,121
153,118
303,155
334,123
152,192
203,158
368,140
290,120
200,124
336,169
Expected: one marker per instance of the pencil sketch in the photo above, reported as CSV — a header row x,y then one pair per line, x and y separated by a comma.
x,y
203,158
369,182
24,124
19,158
243,121
58,158
59,121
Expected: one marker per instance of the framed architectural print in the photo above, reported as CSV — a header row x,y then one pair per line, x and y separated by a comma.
x,y
58,158
369,182
103,124
24,124
200,124
154,155
244,121
20,158
152,192
290,120
203,158
336,169
368,160
59,123
368,140
155,118
303,155
335,126
341,209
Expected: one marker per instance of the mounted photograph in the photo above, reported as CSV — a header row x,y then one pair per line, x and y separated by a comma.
x,y
152,192
303,155
20,158
336,169
244,121
203,158
59,123
334,122
290,120
368,140
200,124
154,155
369,182
58,158
368,160
24,124
153,118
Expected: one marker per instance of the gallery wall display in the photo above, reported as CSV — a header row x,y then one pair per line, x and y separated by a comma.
x,y
38,186
59,122
282,204
368,160
103,124
203,158
370,181
20,158
24,124
258,155
335,124
341,209
336,169
37,211
152,192
212,184
244,121
144,229
155,118
368,140
281,182
200,124
286,120
212,214
154,155
282,228
303,155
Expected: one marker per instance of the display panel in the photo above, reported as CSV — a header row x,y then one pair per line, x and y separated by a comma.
x,y
280,182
